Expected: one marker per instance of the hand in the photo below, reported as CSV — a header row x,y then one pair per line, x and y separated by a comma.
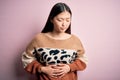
x,y
52,70
64,68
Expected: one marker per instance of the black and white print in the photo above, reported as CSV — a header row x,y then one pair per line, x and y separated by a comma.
x,y
49,56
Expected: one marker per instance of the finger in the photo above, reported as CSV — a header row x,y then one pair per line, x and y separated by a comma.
x,y
52,66
60,65
58,71
54,76
55,67
61,75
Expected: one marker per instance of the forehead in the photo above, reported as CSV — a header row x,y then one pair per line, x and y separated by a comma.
x,y
64,14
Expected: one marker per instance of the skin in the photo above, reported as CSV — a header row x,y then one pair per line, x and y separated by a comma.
x,y
61,23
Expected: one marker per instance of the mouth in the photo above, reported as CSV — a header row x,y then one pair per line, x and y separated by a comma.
x,y
63,28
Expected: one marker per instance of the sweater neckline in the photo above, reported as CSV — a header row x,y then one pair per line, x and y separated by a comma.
x,y
58,39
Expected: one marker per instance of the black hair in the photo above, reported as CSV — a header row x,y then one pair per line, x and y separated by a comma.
x,y
57,9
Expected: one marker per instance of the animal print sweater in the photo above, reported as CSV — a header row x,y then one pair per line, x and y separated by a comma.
x,y
43,51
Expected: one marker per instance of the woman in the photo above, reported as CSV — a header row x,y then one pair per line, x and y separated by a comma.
x,y
55,53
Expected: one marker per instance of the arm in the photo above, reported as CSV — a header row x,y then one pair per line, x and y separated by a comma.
x,y
29,61
30,64
81,61
79,64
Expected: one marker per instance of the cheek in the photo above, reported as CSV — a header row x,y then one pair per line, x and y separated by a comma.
x,y
57,24
68,24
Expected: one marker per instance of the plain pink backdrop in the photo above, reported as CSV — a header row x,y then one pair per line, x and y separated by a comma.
x,y
95,22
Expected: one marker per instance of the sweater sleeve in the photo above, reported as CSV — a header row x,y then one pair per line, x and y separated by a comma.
x,y
78,64
29,61
81,61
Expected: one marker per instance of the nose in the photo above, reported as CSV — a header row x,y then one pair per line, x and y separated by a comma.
x,y
63,24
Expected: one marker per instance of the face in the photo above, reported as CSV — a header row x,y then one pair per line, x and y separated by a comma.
x,y
61,22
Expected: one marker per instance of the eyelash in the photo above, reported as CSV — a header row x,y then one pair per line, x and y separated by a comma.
x,y
59,20
66,20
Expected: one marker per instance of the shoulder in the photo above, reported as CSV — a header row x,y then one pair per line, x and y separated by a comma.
x,y
39,35
75,37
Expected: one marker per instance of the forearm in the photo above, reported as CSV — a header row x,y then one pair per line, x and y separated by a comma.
x,y
77,65
33,67
30,63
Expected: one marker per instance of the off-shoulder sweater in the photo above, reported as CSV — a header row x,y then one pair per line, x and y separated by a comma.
x,y
44,50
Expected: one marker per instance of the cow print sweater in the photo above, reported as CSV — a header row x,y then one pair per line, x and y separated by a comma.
x,y
43,51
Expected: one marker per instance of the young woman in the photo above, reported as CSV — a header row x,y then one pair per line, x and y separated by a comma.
x,y
55,53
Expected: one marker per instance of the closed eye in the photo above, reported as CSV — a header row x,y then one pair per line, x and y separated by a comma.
x,y
60,20
68,20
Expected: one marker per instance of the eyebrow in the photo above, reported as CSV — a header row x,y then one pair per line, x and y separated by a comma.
x,y
63,18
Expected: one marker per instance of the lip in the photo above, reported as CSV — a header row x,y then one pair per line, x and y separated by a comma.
x,y
62,28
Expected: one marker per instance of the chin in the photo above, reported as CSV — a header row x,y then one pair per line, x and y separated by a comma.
x,y
62,31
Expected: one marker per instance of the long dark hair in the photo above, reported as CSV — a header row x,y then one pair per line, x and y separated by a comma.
x,y
57,9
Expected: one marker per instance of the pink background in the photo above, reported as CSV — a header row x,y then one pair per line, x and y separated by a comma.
x,y
96,22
